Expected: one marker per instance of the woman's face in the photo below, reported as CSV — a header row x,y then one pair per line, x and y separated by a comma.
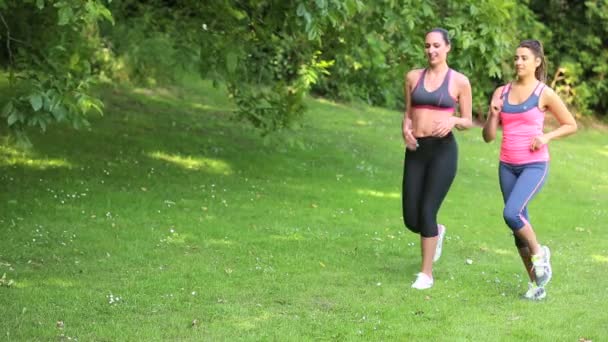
x,y
435,48
525,62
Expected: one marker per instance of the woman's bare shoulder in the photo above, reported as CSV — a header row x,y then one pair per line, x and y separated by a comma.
x,y
414,74
460,78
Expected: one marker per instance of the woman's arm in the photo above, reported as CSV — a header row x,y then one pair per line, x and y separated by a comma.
x,y
408,137
465,100
567,125
493,119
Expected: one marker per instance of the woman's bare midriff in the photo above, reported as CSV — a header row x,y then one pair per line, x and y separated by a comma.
x,y
424,121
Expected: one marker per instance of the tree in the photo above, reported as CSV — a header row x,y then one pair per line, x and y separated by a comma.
x,y
53,55
577,50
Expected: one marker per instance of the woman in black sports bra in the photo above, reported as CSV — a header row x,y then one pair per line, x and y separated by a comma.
x,y
432,95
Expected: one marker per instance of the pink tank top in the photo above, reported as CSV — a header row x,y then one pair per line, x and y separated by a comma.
x,y
520,124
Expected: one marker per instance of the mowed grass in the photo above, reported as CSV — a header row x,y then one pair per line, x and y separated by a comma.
x,y
169,221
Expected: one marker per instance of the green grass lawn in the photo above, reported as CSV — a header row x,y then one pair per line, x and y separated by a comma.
x,y
169,221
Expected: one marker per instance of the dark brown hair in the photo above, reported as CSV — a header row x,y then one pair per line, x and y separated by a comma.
x,y
444,34
537,49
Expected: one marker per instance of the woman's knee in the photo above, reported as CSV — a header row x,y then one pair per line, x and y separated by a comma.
x,y
428,226
411,223
512,218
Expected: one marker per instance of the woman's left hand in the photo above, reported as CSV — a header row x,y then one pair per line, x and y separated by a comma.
x,y
443,127
538,142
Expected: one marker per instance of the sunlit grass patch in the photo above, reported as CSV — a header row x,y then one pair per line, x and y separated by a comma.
x,y
12,157
58,282
154,92
210,165
219,242
290,237
208,107
380,194
600,258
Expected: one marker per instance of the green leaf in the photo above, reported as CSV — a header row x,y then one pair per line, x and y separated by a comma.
x,y
301,10
14,117
8,109
40,4
36,101
59,112
74,59
427,10
65,15
107,14
473,10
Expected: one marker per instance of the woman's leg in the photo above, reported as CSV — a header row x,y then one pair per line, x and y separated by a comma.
x,y
440,175
507,176
526,258
414,169
529,182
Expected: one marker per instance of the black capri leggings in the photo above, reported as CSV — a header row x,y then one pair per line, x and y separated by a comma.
x,y
428,173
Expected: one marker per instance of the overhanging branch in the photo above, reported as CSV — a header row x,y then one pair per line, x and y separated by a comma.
x,y
8,39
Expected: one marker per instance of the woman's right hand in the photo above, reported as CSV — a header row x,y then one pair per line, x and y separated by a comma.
x,y
410,140
496,107
493,118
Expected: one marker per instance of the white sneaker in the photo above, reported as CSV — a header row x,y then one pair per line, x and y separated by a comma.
x,y
534,292
440,237
422,282
542,267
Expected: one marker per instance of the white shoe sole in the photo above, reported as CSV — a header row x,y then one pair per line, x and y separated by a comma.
x,y
439,248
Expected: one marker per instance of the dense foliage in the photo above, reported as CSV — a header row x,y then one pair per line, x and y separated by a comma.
x,y
578,48
271,53
53,54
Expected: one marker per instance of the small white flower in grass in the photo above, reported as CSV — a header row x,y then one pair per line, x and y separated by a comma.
x,y
112,300
194,293
378,284
469,261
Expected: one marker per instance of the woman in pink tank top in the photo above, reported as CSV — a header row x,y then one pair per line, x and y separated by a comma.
x,y
519,107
